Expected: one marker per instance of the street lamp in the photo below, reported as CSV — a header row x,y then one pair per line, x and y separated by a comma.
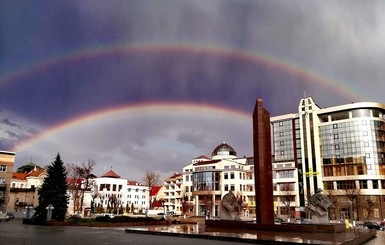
x,y
28,212
351,211
49,211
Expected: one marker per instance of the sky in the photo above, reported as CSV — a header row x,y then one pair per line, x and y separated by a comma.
x,y
148,85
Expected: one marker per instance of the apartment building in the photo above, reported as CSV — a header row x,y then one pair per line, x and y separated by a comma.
x,y
24,191
137,197
7,160
173,193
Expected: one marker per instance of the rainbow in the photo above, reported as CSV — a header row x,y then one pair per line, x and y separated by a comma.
x,y
134,109
209,50
119,49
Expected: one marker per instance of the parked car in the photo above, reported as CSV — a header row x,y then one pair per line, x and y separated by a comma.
x,y
107,214
11,215
4,217
278,220
373,225
302,221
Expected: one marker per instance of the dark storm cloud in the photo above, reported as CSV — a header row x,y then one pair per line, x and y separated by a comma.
x,y
9,122
340,41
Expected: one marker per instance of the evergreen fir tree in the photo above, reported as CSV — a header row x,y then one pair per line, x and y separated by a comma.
x,y
53,191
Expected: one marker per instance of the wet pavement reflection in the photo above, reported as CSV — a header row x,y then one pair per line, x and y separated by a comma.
x,y
200,231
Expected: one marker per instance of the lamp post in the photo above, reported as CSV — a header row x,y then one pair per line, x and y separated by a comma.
x,y
351,211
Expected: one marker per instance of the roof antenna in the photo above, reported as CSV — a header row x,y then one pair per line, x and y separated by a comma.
x,y
304,94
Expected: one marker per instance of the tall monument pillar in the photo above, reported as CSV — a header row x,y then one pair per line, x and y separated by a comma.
x,y
262,165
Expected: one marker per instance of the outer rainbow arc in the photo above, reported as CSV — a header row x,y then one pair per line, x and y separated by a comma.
x,y
308,75
140,107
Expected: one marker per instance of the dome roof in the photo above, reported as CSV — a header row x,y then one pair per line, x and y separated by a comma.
x,y
223,150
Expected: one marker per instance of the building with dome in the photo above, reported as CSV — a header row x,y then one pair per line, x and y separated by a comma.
x,y
340,149
206,180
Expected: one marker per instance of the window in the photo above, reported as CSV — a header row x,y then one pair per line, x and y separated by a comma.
x,y
281,143
328,185
280,133
232,187
375,184
226,176
232,175
3,168
187,178
346,185
226,187
335,136
335,125
363,184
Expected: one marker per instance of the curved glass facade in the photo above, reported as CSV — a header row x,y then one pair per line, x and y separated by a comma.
x,y
358,143
206,181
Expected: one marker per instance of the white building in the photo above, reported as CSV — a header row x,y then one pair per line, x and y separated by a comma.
x,y
206,181
173,193
137,197
111,192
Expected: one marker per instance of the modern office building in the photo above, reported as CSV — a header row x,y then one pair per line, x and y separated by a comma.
x,y
7,160
339,149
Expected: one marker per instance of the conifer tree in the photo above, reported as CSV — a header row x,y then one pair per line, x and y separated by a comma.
x,y
53,191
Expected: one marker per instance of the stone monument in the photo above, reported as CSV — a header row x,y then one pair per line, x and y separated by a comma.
x,y
230,208
319,204
263,172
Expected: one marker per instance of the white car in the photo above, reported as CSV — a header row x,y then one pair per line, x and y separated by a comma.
x,y
107,214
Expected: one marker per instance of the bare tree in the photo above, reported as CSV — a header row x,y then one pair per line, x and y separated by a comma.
x,y
151,179
370,204
331,194
81,177
187,205
353,195
85,171
73,185
287,197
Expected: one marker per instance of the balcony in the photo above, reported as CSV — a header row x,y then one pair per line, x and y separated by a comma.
x,y
23,204
14,189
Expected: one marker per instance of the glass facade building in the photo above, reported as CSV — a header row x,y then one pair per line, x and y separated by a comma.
x,y
339,149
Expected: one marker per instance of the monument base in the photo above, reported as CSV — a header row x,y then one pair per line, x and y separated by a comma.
x,y
285,227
